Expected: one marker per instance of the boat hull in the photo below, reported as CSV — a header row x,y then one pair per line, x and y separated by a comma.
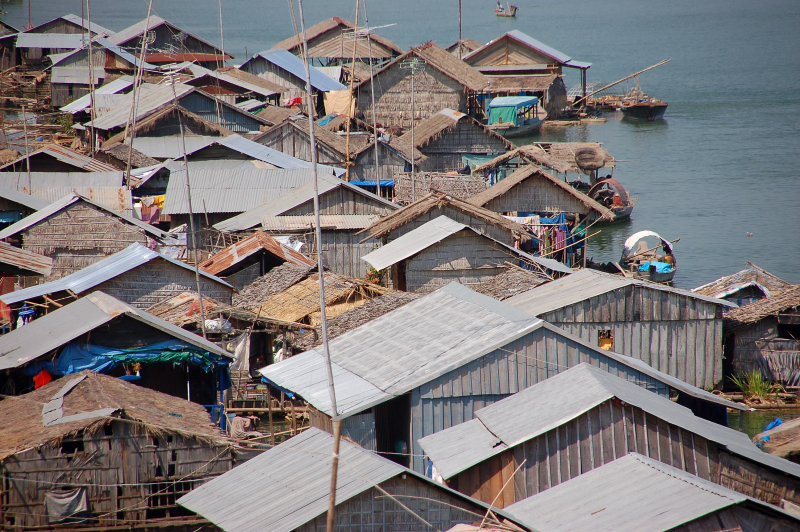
x,y
645,111
653,277
528,128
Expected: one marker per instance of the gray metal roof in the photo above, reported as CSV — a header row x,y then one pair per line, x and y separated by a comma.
x,y
304,223
76,75
55,207
296,474
633,493
32,202
435,231
291,199
131,32
561,398
149,101
384,357
62,41
170,147
108,45
585,284
83,280
200,72
57,328
294,65
117,199
19,180
112,87
83,23
216,190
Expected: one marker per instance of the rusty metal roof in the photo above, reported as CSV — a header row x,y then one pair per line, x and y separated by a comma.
x,y
23,262
225,262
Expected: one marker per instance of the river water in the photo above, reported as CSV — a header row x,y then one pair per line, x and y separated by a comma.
x,y
721,165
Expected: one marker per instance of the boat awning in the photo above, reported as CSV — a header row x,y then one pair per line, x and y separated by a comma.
x,y
504,109
513,101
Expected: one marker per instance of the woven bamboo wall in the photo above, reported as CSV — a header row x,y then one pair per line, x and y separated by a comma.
x,y
758,347
444,152
157,280
433,91
120,470
78,237
456,185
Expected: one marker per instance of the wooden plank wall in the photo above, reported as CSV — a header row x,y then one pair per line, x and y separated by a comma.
x,y
262,68
389,162
342,200
498,233
433,91
610,431
678,335
455,396
79,236
341,251
121,471
744,516
151,283
286,139
537,194
373,511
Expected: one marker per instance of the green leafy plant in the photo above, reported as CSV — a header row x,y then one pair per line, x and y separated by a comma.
x,y
753,384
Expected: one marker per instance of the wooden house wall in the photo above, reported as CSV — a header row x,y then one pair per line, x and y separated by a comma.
x,y
206,107
678,335
444,153
287,139
510,52
157,280
605,433
758,347
498,233
341,251
120,471
537,194
264,69
455,396
738,517
389,163
79,236
101,58
62,94
466,257
433,91
373,511
342,200
165,40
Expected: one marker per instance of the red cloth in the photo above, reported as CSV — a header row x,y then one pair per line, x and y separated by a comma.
x,y
41,378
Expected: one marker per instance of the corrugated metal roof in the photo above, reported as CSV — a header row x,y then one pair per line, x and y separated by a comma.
x,y
435,231
170,147
62,41
633,493
291,199
201,72
19,181
63,203
131,32
112,87
129,258
382,358
296,474
102,43
561,398
68,156
229,191
224,262
76,75
25,260
294,65
118,199
149,101
327,221
270,155
251,105
83,23
586,284
57,328
32,202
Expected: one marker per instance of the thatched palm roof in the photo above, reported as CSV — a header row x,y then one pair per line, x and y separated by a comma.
x,y
758,310
530,153
528,172
436,200
253,79
121,152
319,29
466,45
751,276
514,280
22,425
569,153
276,115
356,317
273,282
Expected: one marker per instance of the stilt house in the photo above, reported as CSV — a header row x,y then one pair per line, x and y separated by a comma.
x,y
433,362
583,418
103,454
372,493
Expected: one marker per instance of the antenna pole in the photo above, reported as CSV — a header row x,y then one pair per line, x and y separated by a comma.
x,y
337,425
27,153
136,79
93,112
372,96
348,163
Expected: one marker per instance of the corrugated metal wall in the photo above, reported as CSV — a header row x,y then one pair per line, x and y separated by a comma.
x,y
676,334
453,398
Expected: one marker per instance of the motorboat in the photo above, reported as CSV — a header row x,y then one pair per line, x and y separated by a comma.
x,y
514,116
649,257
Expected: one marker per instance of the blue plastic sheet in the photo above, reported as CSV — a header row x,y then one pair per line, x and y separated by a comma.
x,y
661,267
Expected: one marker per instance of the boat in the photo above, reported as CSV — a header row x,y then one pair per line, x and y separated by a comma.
x,y
514,116
649,257
611,194
640,106
508,11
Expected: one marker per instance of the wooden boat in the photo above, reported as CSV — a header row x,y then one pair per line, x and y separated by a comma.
x,y
508,11
649,257
514,116
640,106
610,193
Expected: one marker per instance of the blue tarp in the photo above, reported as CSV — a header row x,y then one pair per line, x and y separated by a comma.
x,y
384,183
661,267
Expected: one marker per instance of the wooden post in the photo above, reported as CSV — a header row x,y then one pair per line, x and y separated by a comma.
x,y
294,419
271,426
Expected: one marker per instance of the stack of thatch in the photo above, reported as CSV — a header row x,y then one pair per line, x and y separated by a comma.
x,y
273,282
514,280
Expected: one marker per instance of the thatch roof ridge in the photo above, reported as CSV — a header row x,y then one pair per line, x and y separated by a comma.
x,y
524,173
255,243
273,282
326,25
758,310
751,275
253,79
275,114
436,125
357,317
442,61
21,425
122,151
435,199
514,280
529,152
